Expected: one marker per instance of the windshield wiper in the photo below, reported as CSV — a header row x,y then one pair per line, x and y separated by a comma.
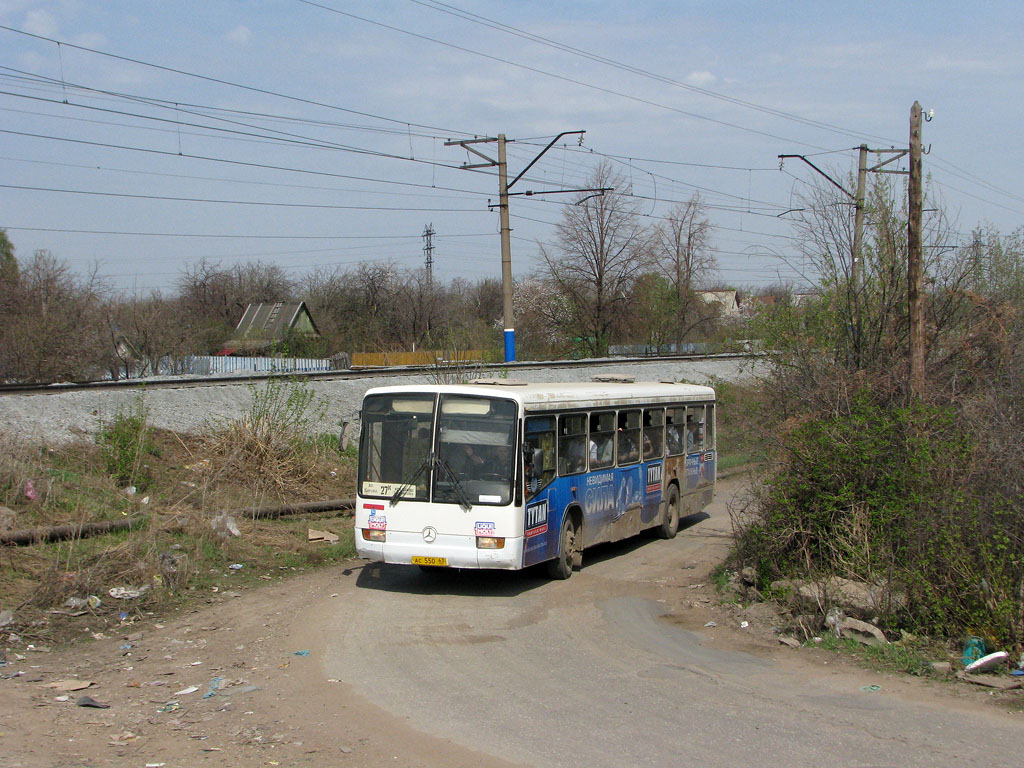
x,y
456,485
400,492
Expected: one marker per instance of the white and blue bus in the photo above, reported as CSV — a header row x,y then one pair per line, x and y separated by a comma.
x,y
503,474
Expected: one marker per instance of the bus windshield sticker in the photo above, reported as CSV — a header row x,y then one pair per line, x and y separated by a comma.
x,y
386,489
487,499
537,519
484,529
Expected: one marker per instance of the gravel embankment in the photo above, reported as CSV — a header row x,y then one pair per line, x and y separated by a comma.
x,y
62,417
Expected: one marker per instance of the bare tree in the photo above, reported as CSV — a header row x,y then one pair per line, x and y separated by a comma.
x,y
860,319
51,328
8,264
149,335
214,298
600,247
681,251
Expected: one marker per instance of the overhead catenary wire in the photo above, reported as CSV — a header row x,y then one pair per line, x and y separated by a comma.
x,y
523,34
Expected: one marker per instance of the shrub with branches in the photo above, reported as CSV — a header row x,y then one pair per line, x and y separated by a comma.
x,y
273,443
917,496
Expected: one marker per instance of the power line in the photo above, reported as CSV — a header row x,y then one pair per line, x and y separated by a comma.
x,y
221,81
451,10
465,193
207,158
537,70
309,143
136,196
14,228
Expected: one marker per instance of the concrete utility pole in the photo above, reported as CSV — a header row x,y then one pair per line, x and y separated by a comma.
x,y
506,254
504,185
857,264
914,270
858,220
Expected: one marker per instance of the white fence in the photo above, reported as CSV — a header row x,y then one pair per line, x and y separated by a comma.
x,y
216,365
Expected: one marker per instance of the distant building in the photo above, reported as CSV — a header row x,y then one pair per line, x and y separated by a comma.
x,y
725,299
269,324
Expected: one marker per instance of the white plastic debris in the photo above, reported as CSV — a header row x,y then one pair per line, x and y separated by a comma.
x,y
985,663
128,593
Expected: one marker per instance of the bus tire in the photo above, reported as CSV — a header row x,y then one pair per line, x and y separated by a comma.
x,y
561,566
669,526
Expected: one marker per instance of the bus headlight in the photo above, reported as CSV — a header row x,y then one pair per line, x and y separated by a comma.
x,y
374,534
489,542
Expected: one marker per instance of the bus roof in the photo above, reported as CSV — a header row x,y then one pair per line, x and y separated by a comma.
x,y
566,396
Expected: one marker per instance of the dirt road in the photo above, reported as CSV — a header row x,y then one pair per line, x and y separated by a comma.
x,y
614,667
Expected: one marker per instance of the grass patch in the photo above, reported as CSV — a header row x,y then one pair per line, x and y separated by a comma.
x,y
909,657
740,424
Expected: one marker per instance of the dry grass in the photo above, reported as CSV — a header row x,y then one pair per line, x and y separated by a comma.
x,y
175,552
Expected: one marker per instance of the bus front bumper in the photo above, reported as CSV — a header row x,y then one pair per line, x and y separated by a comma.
x,y
457,551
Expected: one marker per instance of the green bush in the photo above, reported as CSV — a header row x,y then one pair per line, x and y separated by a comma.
x,y
886,495
126,441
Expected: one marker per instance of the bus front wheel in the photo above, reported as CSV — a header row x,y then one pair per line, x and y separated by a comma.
x,y
568,549
669,526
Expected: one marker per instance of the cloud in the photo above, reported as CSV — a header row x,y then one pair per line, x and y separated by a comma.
x,y
701,79
90,40
240,35
946,63
41,23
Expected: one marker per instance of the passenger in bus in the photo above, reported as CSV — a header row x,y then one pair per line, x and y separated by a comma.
x,y
673,436
692,436
575,460
502,460
466,462
627,448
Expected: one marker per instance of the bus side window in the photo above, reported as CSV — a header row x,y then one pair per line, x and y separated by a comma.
x,y
628,437
654,433
709,429
695,429
539,454
675,428
572,444
602,432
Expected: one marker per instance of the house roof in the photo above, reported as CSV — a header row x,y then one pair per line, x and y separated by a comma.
x,y
271,321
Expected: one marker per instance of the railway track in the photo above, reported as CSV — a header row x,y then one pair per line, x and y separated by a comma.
x,y
354,373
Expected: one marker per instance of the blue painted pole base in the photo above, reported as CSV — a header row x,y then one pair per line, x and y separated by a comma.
x,y
510,345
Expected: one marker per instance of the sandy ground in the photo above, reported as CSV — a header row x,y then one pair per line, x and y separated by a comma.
x,y
272,707
282,694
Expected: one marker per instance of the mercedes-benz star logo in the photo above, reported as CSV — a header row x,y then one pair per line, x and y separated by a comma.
x,y
429,534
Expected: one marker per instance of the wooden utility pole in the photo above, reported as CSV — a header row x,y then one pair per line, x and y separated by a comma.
x,y
914,268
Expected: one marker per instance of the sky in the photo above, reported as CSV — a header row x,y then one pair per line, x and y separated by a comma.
x,y
140,138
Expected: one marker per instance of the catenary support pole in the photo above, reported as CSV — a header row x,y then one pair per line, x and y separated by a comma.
x,y
914,268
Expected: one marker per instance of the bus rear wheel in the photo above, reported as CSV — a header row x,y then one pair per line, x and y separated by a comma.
x,y
669,526
568,549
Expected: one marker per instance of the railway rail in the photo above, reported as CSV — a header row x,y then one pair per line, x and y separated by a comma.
x,y
355,373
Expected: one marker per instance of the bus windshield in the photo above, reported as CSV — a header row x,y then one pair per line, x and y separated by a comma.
x,y
394,454
475,446
473,442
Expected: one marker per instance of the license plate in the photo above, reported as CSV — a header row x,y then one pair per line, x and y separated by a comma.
x,y
430,561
